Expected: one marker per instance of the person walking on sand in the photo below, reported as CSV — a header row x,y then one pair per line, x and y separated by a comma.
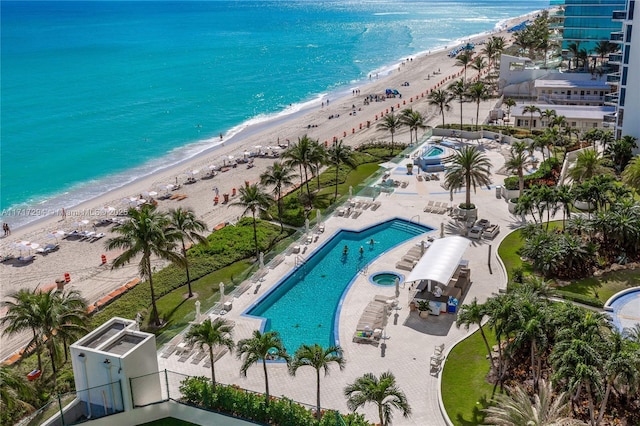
x,y
64,214
5,228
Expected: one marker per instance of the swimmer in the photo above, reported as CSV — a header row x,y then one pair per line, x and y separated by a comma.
x,y
371,242
345,250
361,251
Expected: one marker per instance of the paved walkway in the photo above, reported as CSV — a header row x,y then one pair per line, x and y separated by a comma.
x,y
411,340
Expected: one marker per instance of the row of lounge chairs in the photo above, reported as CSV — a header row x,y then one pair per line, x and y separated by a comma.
x,y
372,321
90,236
427,177
411,258
437,207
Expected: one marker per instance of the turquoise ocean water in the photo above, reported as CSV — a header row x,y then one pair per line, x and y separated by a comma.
x,y
96,94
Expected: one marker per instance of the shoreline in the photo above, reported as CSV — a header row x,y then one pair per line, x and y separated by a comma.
x,y
193,151
82,259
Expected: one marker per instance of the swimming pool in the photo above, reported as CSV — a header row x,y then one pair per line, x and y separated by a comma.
x,y
624,308
433,151
304,307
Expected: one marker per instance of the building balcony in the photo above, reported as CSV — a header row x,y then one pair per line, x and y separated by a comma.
x,y
613,78
619,15
617,36
615,59
609,118
611,99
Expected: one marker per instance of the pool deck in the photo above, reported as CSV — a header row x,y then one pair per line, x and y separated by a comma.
x,y
411,339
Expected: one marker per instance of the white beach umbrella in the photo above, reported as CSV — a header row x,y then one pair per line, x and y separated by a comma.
x,y
56,234
84,222
213,167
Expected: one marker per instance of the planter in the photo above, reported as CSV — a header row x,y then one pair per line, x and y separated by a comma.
x,y
469,214
513,202
424,314
510,193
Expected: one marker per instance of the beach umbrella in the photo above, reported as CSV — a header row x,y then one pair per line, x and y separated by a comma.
x,y
56,234
214,167
149,193
247,153
22,245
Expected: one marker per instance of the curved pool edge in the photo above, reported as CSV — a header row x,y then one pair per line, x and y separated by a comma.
x,y
336,318
618,295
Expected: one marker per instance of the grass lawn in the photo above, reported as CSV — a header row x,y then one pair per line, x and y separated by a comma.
x,y
602,288
465,390
168,421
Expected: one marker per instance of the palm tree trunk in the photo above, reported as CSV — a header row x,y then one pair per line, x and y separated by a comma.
x,y
392,144
477,114
186,268
468,195
154,308
605,399
306,178
461,118
255,234
486,344
213,369
318,393
52,356
380,414
520,181
592,419
279,195
266,381
38,348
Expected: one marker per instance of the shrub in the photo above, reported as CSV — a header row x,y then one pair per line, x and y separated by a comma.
x,y
580,298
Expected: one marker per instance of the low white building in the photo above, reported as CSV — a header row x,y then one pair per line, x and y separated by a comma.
x,y
106,359
572,89
579,117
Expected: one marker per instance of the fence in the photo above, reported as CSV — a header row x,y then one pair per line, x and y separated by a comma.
x,y
77,407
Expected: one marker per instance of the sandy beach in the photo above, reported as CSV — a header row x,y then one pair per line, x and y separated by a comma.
x,y
82,260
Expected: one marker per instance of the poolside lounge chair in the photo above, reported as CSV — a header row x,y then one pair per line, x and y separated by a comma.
x,y
491,231
166,353
375,205
199,356
475,233
429,206
365,337
356,213
405,266
321,227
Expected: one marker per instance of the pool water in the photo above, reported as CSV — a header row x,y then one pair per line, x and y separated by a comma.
x,y
385,278
304,306
434,151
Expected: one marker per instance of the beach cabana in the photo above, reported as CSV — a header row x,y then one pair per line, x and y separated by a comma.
x,y
439,263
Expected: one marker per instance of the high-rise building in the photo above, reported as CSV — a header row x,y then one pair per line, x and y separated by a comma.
x,y
587,22
626,81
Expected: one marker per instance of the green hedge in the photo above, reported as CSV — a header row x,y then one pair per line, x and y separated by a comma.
x,y
198,391
580,298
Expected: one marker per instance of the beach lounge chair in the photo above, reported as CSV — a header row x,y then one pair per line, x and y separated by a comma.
x,y
48,248
26,259
97,237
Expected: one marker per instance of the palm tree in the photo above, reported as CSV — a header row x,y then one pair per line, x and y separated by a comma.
x,y
317,158
463,60
147,233
490,51
510,103
338,154
319,358
413,120
185,223
620,152
478,64
260,347
531,109
69,319
211,334
440,98
297,155
574,49
565,197
254,200
15,391
390,123
473,313
381,391
603,48
518,160
478,92
631,174
458,90
516,408
278,175
22,315
468,167
588,164
549,114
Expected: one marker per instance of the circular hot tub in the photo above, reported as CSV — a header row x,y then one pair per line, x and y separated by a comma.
x,y
385,278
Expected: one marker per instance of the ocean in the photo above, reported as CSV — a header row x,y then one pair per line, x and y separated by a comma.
x,y
97,94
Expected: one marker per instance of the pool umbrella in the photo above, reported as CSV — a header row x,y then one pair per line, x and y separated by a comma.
x,y
441,229
261,259
397,283
318,216
306,225
350,191
197,311
222,292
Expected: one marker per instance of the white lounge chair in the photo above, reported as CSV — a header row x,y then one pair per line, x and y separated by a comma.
x,y
48,248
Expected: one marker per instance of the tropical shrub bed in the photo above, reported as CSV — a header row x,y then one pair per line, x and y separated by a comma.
x,y
547,174
231,400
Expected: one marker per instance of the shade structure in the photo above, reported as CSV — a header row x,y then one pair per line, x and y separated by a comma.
x,y
441,260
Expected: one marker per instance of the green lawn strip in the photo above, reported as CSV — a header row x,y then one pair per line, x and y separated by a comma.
x,y
605,286
465,390
169,421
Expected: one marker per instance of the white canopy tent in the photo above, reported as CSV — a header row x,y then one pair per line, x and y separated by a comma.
x,y
439,263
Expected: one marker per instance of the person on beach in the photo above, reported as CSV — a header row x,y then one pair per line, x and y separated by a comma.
x,y
64,214
6,229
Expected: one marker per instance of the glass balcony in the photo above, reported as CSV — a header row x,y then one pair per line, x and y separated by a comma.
x,y
610,118
615,58
613,78
611,99
619,15
617,36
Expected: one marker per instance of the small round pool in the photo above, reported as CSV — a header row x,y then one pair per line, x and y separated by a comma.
x,y
385,278
433,152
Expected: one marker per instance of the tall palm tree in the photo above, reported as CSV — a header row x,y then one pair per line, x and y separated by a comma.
x,y
211,334
565,197
297,155
530,109
549,115
620,152
22,315
468,167
458,90
490,51
70,318
147,233
382,391
516,408
473,314
391,123
254,200
588,164
479,65
631,174
319,358
603,48
518,161
339,154
15,391
574,49
260,347
317,158
278,175
414,121
510,103
185,223
440,98
463,60
478,92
